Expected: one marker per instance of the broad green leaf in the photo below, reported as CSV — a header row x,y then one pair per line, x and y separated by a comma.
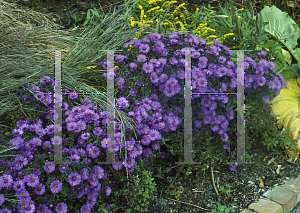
x,y
287,75
281,26
295,70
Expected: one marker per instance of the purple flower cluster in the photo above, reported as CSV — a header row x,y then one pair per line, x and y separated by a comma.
x,y
147,115
86,180
155,60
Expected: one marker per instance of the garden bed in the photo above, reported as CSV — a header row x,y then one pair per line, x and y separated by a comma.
x,y
198,193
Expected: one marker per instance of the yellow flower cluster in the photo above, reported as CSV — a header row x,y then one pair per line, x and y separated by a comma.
x,y
176,20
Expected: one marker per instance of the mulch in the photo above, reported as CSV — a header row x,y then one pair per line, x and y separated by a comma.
x,y
247,183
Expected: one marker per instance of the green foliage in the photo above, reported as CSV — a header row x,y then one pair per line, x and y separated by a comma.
x,y
172,193
220,208
225,189
283,49
281,27
247,29
91,17
141,190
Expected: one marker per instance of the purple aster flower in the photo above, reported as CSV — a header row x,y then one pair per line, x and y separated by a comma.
x,y
19,185
24,97
154,37
266,99
133,153
230,114
94,152
224,137
133,66
85,136
173,61
262,54
117,165
119,58
202,62
164,52
40,189
120,81
148,67
49,167
144,48
29,207
17,132
181,74
261,81
56,140
122,103
98,131
74,158
74,179
43,208
133,92
63,168
222,59
85,208
98,171
93,180
73,95
155,146
198,123
140,83
56,186
61,208
154,78
107,190
215,127
142,58
155,62
6,181
47,99
154,135
233,167
45,80
147,152
272,85
84,173
32,180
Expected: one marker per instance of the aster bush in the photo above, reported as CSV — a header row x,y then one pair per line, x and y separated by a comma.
x,y
153,65
44,187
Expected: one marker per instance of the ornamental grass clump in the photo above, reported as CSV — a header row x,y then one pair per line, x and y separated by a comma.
x,y
153,65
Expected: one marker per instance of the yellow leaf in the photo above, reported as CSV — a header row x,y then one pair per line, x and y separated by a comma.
x,y
261,183
287,56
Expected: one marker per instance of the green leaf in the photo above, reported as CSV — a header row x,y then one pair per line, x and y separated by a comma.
x,y
281,27
85,22
295,70
101,206
95,12
88,15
